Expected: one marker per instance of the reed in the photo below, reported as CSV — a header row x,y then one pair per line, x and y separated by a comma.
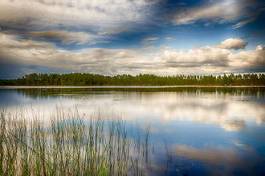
x,y
69,144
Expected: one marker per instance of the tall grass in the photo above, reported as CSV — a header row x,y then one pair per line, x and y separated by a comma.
x,y
70,145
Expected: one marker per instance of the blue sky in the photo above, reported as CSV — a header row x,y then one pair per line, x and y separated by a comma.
x,y
164,37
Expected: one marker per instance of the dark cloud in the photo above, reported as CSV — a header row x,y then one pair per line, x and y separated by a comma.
x,y
65,36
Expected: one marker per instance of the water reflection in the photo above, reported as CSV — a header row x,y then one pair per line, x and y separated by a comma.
x,y
224,161
232,112
194,131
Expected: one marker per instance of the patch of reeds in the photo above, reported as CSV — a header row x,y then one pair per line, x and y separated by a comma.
x,y
70,145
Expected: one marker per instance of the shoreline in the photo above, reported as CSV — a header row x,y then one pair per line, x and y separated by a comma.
x,y
124,87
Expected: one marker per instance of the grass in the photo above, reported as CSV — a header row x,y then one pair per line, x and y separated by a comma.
x,y
70,145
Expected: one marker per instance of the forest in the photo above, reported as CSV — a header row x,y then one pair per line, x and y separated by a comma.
x,y
86,79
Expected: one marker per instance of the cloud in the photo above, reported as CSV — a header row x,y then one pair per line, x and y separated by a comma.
x,y
68,22
149,41
96,15
233,43
243,23
165,61
216,59
224,10
205,56
65,36
248,59
105,61
220,12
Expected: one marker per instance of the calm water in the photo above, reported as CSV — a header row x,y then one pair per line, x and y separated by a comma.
x,y
206,131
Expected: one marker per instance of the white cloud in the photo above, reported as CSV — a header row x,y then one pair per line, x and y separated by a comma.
x,y
233,43
220,12
243,23
252,58
224,10
149,41
206,56
216,59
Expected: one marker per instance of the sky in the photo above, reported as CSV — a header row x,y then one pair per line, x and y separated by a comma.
x,y
110,37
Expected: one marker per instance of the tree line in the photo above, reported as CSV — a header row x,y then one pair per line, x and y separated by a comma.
x,y
86,79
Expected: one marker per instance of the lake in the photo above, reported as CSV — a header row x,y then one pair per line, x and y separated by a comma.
x,y
193,131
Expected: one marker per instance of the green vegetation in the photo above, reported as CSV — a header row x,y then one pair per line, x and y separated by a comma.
x,y
69,145
84,79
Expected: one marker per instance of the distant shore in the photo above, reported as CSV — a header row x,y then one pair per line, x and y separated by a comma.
x,y
128,87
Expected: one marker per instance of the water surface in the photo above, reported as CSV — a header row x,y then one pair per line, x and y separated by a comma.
x,y
194,131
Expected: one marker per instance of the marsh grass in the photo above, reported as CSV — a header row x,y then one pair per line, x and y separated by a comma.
x,y
70,145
